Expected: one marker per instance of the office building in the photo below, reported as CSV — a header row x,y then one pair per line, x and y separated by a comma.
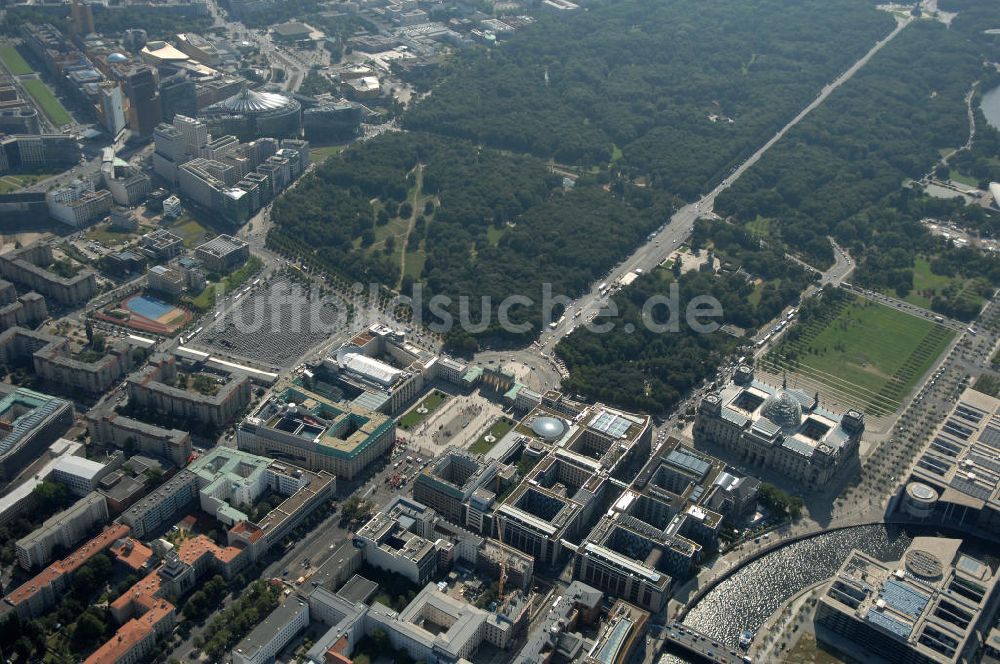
x,y
166,280
129,185
82,475
561,497
226,480
19,499
81,18
63,529
463,488
934,606
337,119
78,203
112,107
317,434
172,207
141,89
30,421
783,430
223,254
956,477
436,628
31,151
161,244
388,542
178,96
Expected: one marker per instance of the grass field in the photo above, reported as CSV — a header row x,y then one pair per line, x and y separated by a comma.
x,y
497,431
870,353
415,417
926,285
108,237
962,178
321,153
189,230
13,61
51,106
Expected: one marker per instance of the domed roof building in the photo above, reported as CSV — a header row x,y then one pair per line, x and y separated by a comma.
x,y
549,429
252,114
117,58
783,409
779,428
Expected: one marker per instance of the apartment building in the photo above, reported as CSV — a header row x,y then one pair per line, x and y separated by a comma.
x,y
27,267
64,529
112,428
150,388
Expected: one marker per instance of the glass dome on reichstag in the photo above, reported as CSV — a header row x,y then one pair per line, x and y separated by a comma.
x,y
783,409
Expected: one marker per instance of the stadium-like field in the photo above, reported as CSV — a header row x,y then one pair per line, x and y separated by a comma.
x,y
148,314
869,353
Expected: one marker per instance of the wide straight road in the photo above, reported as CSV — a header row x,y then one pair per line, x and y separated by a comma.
x,y
660,245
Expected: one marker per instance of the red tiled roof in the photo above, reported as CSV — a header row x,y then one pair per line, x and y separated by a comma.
x,y
131,633
132,552
71,563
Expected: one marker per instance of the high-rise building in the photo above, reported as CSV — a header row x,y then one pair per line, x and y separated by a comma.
x,y
112,108
178,96
143,95
195,133
81,18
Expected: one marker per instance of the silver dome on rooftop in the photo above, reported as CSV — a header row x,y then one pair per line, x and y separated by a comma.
x,y
548,429
783,409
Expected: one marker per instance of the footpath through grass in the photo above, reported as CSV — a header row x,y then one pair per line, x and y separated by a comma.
x,y
51,106
871,353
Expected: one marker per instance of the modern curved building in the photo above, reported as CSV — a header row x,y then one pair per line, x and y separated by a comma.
x,y
252,114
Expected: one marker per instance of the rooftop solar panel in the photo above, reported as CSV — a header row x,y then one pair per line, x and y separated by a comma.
x,y
886,621
688,461
991,437
970,488
904,598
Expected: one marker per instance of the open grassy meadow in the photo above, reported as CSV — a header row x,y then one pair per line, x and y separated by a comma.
x,y
869,352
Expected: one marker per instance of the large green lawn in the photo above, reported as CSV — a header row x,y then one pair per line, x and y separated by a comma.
x,y
926,285
870,352
13,61
51,106
428,405
497,431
